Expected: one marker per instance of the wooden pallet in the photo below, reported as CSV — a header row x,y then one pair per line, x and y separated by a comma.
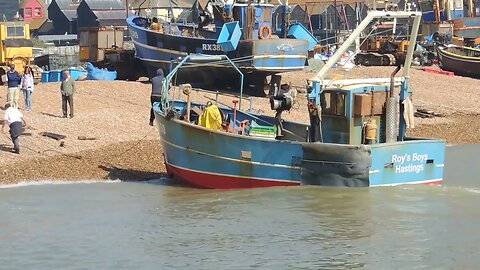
x,y
438,71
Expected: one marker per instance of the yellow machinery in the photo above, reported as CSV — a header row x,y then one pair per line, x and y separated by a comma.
x,y
377,42
382,51
16,47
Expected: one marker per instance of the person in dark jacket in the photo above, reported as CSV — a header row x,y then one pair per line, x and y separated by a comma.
x,y
14,119
157,84
13,82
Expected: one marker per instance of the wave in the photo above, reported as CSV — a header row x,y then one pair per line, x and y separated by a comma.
x,y
56,182
473,190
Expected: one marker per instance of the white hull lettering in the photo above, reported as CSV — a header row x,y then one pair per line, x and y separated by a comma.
x,y
211,47
409,163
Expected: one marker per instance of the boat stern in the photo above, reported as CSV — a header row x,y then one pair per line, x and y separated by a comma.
x,y
407,162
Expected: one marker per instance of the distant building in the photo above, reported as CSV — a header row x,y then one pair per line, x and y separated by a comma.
x,y
32,9
63,14
8,9
297,15
101,26
94,13
162,9
38,26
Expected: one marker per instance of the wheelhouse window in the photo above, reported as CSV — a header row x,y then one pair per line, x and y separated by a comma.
x,y
15,31
28,12
333,103
38,12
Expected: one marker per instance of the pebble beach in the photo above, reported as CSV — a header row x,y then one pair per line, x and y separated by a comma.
x,y
110,138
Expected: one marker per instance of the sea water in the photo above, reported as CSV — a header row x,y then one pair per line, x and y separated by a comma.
x,y
160,225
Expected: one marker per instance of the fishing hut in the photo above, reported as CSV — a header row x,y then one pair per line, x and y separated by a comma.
x,y
63,14
102,32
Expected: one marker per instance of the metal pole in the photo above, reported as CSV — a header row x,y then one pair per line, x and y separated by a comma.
x,y
332,60
241,82
411,45
114,36
335,23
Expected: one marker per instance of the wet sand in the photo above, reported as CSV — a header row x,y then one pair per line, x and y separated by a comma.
x,y
115,114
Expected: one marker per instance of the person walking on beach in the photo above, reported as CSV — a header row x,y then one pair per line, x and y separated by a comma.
x,y
157,84
67,89
13,81
14,119
27,87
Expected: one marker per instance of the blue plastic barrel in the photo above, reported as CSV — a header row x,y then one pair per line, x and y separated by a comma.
x,y
55,76
45,76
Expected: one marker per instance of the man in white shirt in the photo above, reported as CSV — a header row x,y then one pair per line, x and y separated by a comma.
x,y
14,118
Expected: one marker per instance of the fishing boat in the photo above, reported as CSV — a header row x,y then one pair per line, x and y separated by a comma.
x,y
463,61
243,31
356,136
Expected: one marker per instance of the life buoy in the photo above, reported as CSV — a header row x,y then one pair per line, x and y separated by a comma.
x,y
264,32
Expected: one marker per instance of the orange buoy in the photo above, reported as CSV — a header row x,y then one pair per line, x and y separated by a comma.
x,y
264,32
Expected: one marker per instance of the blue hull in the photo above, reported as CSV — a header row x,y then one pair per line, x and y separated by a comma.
x,y
214,159
254,57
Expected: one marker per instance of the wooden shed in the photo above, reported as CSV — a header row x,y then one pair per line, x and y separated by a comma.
x,y
101,13
63,14
94,41
101,26
297,15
